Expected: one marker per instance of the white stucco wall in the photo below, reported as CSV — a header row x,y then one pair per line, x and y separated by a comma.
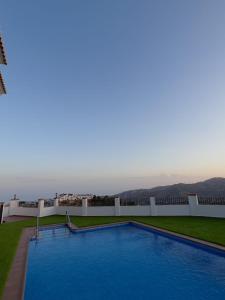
x,y
72,210
5,211
172,210
217,211
24,211
142,210
101,211
48,211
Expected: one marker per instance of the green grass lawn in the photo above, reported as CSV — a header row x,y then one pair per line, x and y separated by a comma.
x,y
208,229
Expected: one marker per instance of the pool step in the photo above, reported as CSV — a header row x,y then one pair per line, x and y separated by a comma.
x,y
54,233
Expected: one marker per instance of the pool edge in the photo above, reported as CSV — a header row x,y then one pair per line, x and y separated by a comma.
x,y
76,229
183,238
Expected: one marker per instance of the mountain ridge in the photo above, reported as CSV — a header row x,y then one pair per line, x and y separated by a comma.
x,y
211,187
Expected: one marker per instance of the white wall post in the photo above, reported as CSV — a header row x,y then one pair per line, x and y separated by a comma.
x,y
56,202
41,205
117,206
2,212
13,204
84,207
153,206
193,204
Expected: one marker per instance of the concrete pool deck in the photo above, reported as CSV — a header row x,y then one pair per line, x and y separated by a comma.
x,y
15,284
14,287
10,219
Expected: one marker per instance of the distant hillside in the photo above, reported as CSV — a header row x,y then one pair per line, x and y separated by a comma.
x,y
211,187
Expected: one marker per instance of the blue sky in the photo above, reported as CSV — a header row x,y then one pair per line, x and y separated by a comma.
x,y
105,95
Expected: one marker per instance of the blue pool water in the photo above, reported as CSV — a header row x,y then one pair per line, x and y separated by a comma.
x,y
124,262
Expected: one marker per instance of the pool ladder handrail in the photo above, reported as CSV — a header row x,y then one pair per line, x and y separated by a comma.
x,y
37,227
68,222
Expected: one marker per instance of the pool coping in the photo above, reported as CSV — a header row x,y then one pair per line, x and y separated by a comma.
x,y
182,237
15,283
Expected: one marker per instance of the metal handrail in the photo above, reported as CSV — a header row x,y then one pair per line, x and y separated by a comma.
x,y
68,222
216,200
37,227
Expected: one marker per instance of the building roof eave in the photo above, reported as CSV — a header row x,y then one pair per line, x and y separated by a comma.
x,y
2,86
2,53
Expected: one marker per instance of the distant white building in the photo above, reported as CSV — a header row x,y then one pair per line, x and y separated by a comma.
x,y
73,197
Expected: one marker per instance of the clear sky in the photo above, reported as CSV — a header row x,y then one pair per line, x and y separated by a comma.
x,y
108,95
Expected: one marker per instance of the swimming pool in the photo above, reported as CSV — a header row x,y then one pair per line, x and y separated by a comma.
x,y
122,262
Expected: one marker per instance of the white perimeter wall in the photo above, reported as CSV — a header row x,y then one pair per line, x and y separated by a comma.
x,y
193,209
72,210
143,210
5,211
217,211
100,211
24,211
47,211
172,210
